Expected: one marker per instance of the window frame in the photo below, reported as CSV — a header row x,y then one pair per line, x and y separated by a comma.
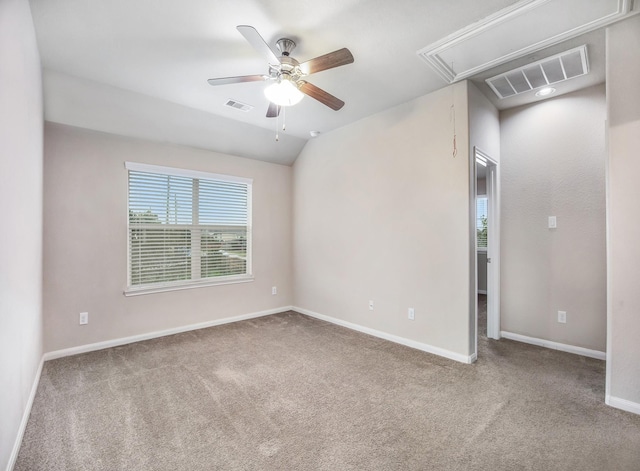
x,y
191,283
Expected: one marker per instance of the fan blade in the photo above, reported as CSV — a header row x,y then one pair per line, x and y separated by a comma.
x,y
239,79
259,44
273,111
320,95
328,61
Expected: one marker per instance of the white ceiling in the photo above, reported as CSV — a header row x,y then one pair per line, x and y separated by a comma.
x,y
139,67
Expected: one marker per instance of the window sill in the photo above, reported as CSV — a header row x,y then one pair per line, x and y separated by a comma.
x,y
182,286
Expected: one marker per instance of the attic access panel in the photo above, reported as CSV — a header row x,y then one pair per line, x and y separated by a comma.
x,y
525,27
545,72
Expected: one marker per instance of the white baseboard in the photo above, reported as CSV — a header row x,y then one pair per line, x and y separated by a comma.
x,y
25,418
585,352
160,333
392,338
623,404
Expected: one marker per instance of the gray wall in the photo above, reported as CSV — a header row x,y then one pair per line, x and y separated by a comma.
x,y
482,271
481,186
623,93
21,233
484,124
484,133
85,240
553,164
370,223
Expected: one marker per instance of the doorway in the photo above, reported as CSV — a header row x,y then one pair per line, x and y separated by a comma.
x,y
487,243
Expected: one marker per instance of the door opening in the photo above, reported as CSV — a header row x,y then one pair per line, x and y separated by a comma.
x,y
487,240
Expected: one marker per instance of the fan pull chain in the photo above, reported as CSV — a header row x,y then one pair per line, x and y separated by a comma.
x,y
284,119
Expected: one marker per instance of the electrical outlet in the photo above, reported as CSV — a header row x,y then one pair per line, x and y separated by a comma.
x,y
553,223
371,305
84,318
274,290
562,317
412,314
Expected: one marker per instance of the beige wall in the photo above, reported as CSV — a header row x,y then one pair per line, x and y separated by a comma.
x,y
553,164
623,93
21,233
85,240
381,212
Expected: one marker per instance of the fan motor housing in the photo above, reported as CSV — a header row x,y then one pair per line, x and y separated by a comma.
x,y
285,46
291,67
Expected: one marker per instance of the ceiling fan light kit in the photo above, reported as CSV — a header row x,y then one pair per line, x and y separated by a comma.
x,y
283,93
287,74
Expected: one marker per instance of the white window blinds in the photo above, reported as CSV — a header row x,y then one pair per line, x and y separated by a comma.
x,y
481,221
187,227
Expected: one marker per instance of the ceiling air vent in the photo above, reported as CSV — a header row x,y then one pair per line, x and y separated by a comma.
x,y
238,105
555,69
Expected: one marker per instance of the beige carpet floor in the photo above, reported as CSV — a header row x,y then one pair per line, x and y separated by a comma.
x,y
288,392
482,316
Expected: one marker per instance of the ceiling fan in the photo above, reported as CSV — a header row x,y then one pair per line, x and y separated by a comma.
x,y
287,74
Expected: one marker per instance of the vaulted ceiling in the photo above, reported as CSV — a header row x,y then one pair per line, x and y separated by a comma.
x,y
140,67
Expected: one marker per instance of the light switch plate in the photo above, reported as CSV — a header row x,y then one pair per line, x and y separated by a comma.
x,y
562,317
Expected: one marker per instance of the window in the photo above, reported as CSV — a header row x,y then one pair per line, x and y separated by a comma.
x,y
481,222
186,229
